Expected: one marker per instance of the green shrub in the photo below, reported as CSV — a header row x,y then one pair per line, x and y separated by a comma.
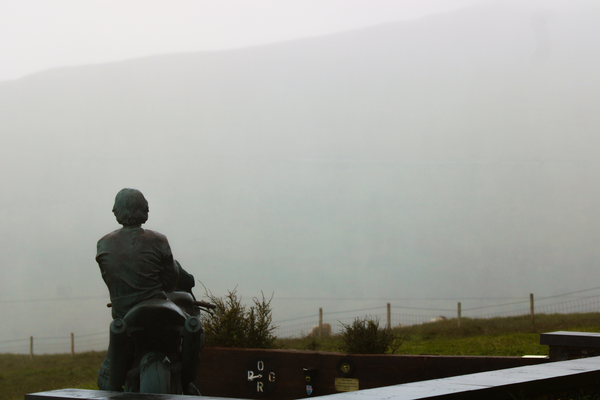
x,y
364,336
232,324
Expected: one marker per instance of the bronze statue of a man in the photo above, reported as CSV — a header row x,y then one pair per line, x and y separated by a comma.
x,y
136,263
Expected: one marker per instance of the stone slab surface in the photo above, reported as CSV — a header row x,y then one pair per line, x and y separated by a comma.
x,y
493,384
570,339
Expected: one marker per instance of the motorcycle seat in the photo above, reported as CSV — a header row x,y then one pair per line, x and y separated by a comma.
x,y
155,313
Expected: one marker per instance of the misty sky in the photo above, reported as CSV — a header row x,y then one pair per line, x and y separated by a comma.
x,y
36,34
445,151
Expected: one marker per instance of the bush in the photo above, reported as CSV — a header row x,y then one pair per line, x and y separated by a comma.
x,y
231,324
364,336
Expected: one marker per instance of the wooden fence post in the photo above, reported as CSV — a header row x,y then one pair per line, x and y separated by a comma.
x,y
459,314
72,345
320,323
389,316
31,347
531,309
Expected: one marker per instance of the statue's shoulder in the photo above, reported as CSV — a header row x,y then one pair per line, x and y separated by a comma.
x,y
109,236
153,234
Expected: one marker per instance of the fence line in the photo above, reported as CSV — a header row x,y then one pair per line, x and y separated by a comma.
x,y
587,303
69,343
583,304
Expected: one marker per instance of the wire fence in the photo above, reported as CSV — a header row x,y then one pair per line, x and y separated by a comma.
x,y
56,345
337,324
582,301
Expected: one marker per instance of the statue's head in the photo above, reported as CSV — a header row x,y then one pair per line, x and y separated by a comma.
x,y
131,208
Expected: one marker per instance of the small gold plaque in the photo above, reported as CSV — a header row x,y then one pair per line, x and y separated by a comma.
x,y
346,384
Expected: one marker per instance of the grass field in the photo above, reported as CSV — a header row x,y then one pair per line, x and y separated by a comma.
x,y
513,336
20,375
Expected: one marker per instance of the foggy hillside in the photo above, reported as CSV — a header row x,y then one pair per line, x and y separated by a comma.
x,y
450,156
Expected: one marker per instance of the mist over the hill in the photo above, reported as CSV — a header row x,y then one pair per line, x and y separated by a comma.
x,y
453,156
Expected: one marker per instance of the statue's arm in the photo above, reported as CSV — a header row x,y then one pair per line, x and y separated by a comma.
x,y
170,273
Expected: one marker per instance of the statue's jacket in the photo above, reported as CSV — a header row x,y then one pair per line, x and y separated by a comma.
x,y
136,265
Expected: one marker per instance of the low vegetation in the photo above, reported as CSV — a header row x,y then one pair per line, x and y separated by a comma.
x,y
365,336
515,336
232,324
